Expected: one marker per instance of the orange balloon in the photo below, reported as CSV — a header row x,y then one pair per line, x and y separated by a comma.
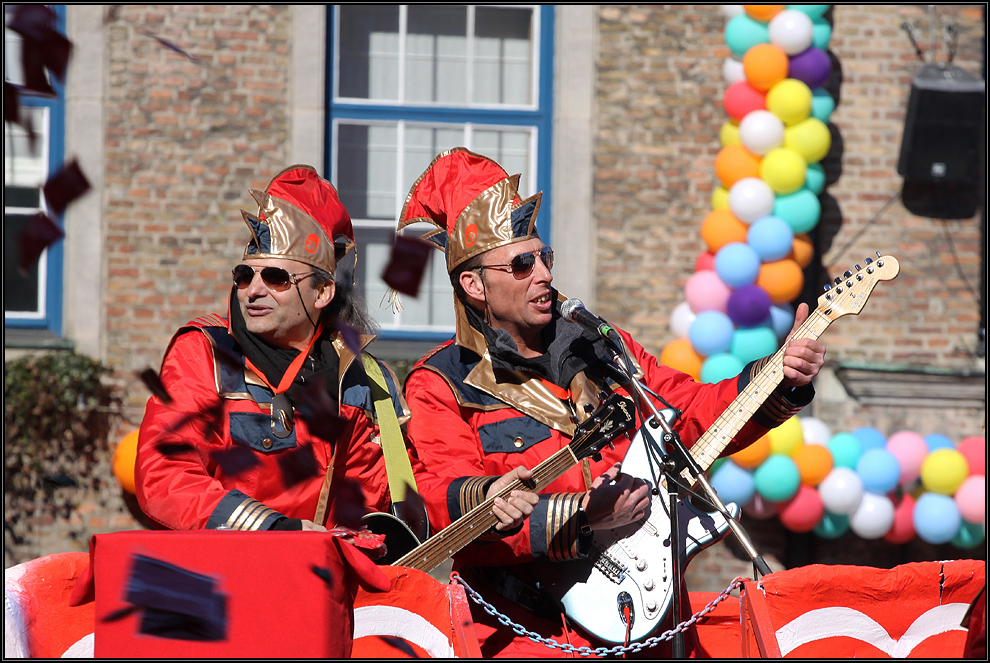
x,y
803,250
763,12
765,65
124,457
735,162
814,462
721,227
783,280
753,456
680,356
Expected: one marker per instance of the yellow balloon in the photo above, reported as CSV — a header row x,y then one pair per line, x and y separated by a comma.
x,y
784,170
790,100
753,456
943,471
810,138
729,133
787,437
720,198
124,457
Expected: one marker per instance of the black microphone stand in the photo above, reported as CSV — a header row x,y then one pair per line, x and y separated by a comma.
x,y
678,464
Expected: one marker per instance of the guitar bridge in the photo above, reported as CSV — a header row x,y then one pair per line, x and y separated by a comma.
x,y
610,568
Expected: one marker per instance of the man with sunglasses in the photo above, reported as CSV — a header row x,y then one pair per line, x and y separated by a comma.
x,y
509,391
268,420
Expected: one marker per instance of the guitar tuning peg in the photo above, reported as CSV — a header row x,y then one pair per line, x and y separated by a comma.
x,y
858,268
878,255
828,286
846,274
596,457
868,261
589,408
838,280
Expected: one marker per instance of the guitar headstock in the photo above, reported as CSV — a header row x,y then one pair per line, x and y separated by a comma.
x,y
853,288
613,417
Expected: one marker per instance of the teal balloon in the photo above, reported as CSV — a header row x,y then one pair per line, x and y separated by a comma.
x,y
752,343
832,525
813,11
733,483
870,438
720,366
822,105
814,178
777,478
970,535
821,33
743,33
845,450
936,518
800,209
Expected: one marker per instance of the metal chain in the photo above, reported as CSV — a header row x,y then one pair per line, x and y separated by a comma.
x,y
519,629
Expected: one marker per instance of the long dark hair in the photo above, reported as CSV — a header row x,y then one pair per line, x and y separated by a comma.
x,y
347,304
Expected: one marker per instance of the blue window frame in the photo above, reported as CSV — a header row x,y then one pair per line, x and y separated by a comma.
x,y
405,82
33,300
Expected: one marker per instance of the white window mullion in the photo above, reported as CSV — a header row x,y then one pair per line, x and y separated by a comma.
x,y
470,56
403,21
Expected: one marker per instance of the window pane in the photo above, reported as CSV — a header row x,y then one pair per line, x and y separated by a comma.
x,y
436,54
365,169
24,162
423,143
369,52
503,56
20,291
511,149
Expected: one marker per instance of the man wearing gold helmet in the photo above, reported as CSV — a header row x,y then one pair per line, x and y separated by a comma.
x,y
509,390
268,414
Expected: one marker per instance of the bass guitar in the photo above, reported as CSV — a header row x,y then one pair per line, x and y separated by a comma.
x,y
632,567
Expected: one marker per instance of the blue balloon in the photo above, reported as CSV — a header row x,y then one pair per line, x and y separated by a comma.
x,y
733,483
936,518
742,33
937,441
737,264
879,470
771,238
832,525
777,478
753,343
870,438
800,209
719,367
822,106
782,320
821,33
814,177
711,333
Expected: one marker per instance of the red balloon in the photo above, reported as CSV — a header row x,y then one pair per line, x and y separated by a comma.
x,y
705,260
974,449
803,511
902,530
742,98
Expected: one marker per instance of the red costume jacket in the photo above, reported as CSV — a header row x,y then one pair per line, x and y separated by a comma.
x,y
209,459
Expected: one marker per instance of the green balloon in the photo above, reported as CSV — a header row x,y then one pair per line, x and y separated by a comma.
x,y
822,105
743,33
800,209
752,343
721,366
777,479
832,525
814,178
969,535
845,449
821,33
714,468
813,11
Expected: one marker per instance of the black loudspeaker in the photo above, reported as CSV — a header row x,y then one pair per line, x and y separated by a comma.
x,y
942,152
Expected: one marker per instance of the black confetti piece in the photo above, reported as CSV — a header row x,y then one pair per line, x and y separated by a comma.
x,y
39,233
349,509
65,186
407,264
235,460
297,466
169,45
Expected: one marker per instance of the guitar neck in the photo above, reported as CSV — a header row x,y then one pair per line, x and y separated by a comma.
x,y
750,399
480,519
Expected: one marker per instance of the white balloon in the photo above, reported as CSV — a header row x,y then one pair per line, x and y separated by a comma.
x,y
815,431
841,490
732,71
873,517
732,10
681,318
751,199
761,131
792,31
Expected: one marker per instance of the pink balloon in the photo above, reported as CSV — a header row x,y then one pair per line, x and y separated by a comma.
x,y
760,508
705,291
803,511
975,450
971,498
705,260
910,450
902,530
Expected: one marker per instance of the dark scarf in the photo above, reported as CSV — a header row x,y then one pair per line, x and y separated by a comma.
x,y
273,362
570,348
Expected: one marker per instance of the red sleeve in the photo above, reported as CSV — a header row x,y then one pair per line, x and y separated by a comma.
x,y
173,484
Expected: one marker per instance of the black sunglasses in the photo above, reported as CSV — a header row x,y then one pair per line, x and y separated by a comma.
x,y
522,265
275,278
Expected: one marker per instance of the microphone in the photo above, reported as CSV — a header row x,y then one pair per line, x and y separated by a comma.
x,y
573,310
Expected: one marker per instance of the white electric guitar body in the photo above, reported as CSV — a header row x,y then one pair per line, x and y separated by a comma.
x,y
633,566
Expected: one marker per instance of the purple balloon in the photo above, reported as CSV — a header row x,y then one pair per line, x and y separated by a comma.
x,y
748,306
812,67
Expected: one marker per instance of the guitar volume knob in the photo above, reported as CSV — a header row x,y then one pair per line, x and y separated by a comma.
x,y
640,564
648,584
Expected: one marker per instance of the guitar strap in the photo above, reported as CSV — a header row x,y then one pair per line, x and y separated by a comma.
x,y
397,465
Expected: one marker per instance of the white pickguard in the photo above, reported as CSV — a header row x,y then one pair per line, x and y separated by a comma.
x,y
635,560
